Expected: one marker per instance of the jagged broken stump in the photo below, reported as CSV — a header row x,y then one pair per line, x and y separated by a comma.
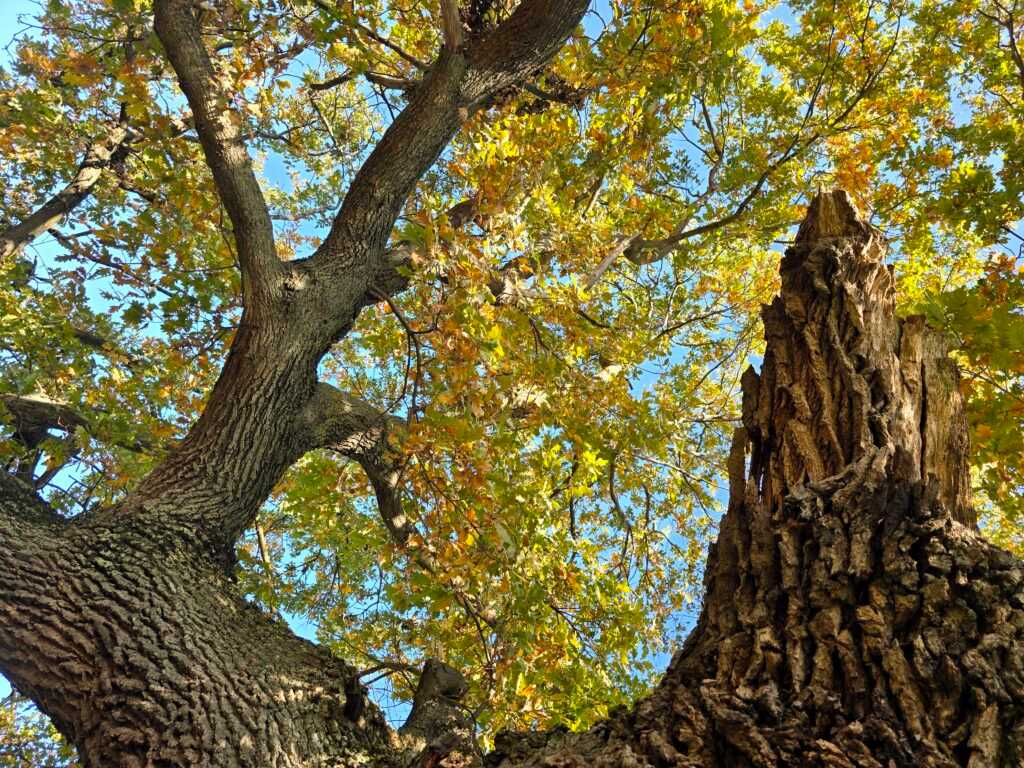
x,y
853,614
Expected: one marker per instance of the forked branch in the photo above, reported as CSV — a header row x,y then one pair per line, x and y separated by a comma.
x,y
458,82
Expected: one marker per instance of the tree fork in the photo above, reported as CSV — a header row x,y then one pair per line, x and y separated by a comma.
x,y
853,614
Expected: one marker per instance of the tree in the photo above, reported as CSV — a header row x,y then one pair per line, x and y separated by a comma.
x,y
266,410
147,652
853,615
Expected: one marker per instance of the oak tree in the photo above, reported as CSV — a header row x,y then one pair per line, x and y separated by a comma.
x,y
393,319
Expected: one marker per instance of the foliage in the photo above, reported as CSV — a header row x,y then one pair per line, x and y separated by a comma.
x,y
28,740
591,255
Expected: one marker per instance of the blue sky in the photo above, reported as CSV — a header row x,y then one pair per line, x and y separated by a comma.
x,y
46,248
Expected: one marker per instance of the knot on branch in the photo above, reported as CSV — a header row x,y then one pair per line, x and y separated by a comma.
x,y
440,681
343,422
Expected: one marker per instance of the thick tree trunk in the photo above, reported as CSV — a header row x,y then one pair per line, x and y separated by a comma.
x,y
853,615
133,641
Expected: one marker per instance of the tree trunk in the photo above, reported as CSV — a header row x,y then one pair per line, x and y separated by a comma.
x,y
135,644
123,624
853,614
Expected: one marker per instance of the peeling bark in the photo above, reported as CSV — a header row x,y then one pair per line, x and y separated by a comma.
x,y
853,614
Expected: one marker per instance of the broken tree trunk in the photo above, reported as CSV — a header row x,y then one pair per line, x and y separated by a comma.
x,y
853,615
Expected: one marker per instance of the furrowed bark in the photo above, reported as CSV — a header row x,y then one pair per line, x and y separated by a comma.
x,y
244,441
853,615
137,646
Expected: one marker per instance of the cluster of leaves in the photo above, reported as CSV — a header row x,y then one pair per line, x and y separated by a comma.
x,y
28,739
960,239
590,257
986,322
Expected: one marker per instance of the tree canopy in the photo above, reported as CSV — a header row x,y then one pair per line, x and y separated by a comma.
x,y
577,291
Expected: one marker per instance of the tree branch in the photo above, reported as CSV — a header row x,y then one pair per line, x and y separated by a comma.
x,y
641,251
520,45
34,415
451,24
38,413
219,129
377,78
104,345
457,83
101,154
389,44
268,564
266,398
345,423
357,430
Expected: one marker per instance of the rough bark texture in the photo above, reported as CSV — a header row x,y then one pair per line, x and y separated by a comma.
x,y
124,624
853,615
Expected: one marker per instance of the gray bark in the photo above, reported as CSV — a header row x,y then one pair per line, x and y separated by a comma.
x,y
136,644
